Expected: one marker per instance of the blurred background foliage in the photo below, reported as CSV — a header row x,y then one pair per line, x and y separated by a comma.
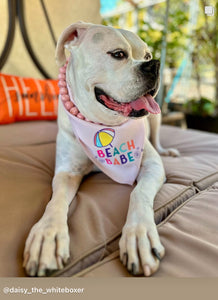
x,y
181,35
151,27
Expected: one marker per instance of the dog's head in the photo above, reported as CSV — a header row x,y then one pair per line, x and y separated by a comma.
x,y
111,73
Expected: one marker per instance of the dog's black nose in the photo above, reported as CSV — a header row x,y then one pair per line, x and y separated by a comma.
x,y
151,66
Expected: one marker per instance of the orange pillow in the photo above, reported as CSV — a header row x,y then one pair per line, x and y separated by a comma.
x,y
25,99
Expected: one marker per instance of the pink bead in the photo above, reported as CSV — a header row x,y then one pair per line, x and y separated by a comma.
x,y
62,83
65,97
62,76
74,110
68,105
63,90
80,116
62,70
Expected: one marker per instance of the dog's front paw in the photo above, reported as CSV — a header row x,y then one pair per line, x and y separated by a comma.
x,y
140,248
47,247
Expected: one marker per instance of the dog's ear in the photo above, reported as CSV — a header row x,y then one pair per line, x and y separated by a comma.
x,y
71,36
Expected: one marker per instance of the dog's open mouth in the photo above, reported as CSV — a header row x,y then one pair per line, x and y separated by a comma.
x,y
136,108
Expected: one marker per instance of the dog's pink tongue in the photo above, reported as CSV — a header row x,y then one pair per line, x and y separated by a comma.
x,y
146,102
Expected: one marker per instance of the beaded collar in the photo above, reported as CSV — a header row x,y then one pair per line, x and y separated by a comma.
x,y
65,97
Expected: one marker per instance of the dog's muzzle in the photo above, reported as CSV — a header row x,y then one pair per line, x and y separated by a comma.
x,y
142,105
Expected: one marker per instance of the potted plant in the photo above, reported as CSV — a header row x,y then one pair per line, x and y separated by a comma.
x,y
202,114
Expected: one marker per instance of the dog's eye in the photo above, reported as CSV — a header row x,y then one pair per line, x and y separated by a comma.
x,y
119,54
148,56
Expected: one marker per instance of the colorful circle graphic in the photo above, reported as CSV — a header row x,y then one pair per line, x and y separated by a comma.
x,y
104,137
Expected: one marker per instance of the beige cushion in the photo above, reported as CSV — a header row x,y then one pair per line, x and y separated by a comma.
x,y
27,159
198,156
190,236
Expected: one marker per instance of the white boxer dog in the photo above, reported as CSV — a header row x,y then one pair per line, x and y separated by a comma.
x,y
107,99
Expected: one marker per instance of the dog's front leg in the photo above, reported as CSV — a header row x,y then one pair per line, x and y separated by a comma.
x,y
140,246
47,246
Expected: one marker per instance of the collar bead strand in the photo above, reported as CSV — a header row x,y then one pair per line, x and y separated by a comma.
x,y
65,97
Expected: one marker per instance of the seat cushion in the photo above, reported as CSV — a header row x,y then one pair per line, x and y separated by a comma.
x,y
27,160
190,236
198,158
26,171
102,238
28,133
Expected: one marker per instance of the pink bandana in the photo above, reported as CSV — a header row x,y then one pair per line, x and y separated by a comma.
x,y
117,151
